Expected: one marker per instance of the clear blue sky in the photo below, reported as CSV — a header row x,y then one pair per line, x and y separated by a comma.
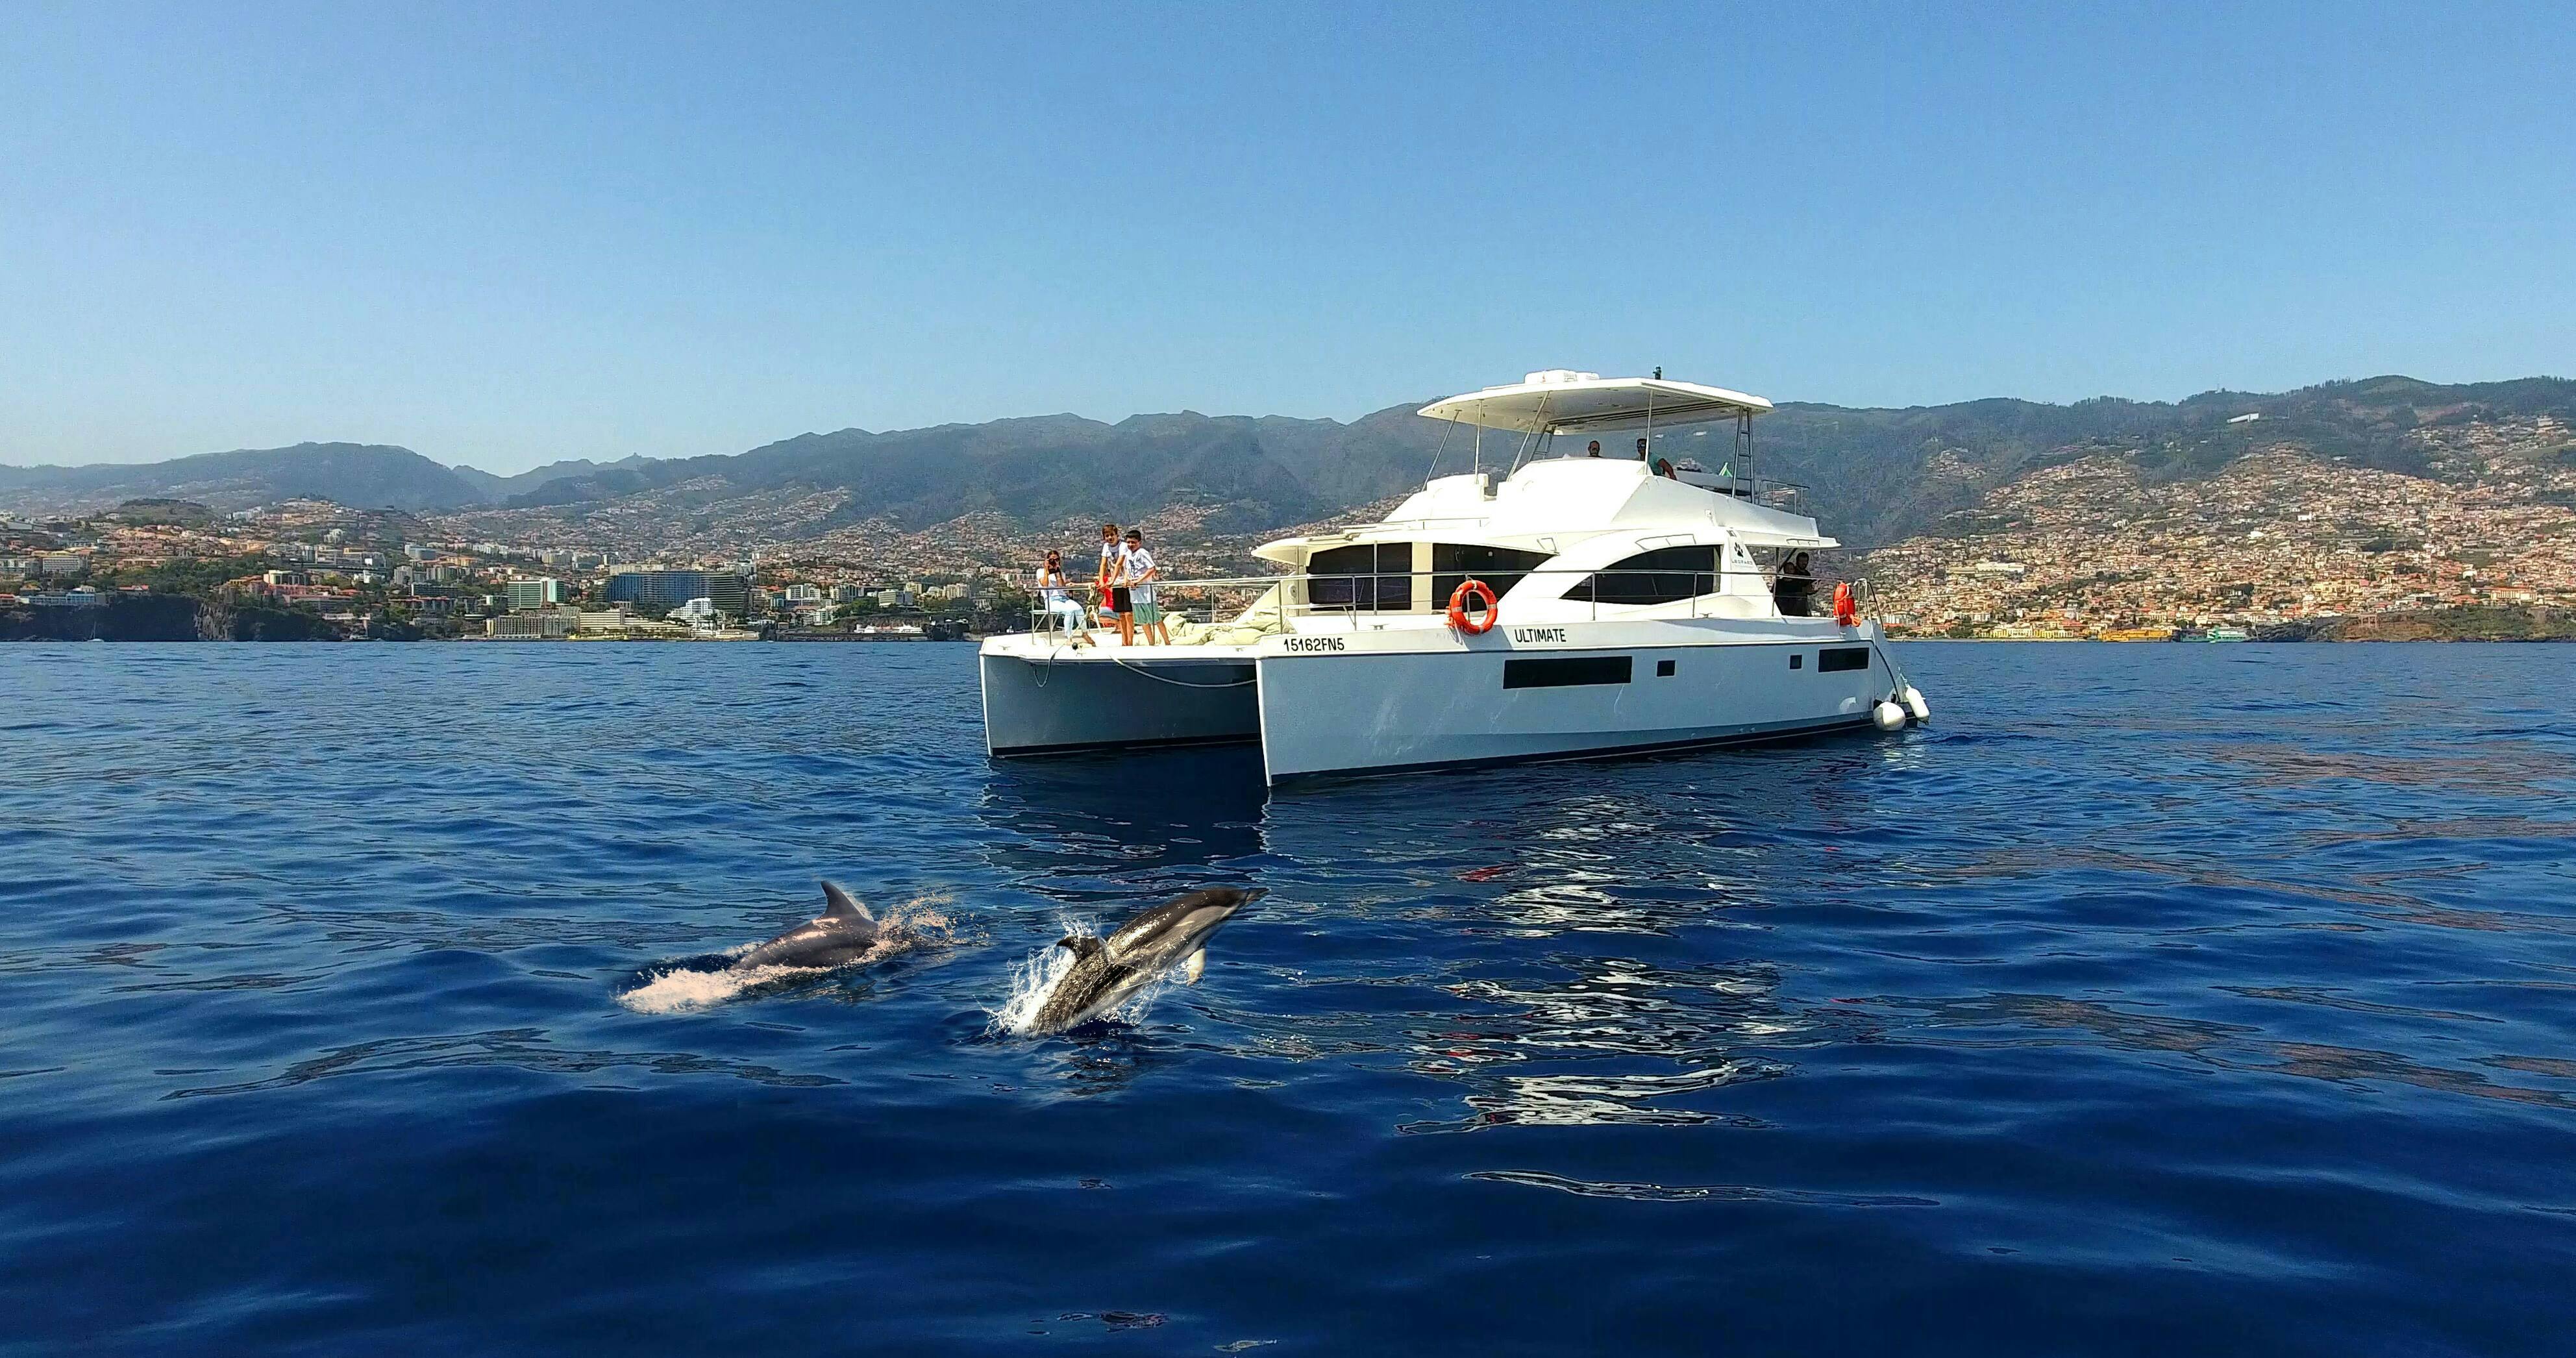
x,y
503,234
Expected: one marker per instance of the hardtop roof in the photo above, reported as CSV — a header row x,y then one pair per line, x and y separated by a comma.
x,y
1563,401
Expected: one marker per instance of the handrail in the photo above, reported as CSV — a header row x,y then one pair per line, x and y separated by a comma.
x,y
1040,610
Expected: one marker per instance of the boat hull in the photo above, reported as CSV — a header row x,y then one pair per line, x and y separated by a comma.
x,y
1043,705
1396,711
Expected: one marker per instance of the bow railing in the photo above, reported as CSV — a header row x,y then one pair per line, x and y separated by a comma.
x,y
1363,595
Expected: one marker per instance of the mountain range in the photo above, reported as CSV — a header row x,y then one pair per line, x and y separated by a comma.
x,y
1875,474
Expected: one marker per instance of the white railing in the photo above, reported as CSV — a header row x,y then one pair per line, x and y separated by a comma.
x,y
1359,601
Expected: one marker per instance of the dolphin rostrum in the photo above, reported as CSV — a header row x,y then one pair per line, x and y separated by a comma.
x,y
844,932
1107,971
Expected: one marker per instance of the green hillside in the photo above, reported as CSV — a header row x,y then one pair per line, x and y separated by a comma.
x,y
1875,474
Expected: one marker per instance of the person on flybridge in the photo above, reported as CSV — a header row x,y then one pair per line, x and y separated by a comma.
x,y
1794,587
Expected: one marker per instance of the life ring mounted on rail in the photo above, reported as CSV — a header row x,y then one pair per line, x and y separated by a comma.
x,y
1458,617
1846,608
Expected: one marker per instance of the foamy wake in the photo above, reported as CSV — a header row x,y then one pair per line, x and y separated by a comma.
x,y
1037,976
678,989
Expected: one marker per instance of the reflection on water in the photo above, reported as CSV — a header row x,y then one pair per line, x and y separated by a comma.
x,y
2496,757
1696,1192
520,1048
1619,1042
2024,1020
1086,815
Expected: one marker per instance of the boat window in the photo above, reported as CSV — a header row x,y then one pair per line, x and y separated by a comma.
x,y
1365,576
1570,672
1842,658
1665,575
1499,567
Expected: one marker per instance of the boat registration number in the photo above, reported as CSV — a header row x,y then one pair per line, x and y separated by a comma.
x,y
1312,644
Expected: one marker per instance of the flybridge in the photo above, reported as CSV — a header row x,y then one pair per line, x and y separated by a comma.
x,y
1557,401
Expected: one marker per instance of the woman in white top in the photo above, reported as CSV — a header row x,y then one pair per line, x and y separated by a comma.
x,y
1060,606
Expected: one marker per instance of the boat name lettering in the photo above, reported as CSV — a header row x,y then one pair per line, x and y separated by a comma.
x,y
1313,644
1538,634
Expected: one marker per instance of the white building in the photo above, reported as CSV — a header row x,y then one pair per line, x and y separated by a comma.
x,y
699,615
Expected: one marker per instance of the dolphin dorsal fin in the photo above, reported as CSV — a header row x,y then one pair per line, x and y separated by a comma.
x,y
838,905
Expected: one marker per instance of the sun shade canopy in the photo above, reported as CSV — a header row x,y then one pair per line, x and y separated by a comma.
x,y
1559,401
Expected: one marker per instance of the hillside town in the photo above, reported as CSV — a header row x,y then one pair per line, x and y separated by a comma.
x,y
2089,548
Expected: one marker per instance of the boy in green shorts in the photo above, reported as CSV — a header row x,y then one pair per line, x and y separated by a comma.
x,y
1140,576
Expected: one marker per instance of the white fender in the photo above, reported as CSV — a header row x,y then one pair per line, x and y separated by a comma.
x,y
1888,716
1914,703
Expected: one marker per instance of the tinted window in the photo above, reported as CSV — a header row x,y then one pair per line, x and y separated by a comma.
x,y
1662,576
1844,658
1366,575
1568,672
1500,567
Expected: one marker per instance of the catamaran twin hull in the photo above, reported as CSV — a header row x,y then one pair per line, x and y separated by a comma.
x,y
1364,701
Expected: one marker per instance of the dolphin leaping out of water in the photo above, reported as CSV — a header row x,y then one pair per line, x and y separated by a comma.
x,y
844,932
1107,971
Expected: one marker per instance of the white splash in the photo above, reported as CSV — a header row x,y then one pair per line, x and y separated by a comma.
x,y
1034,980
678,990
681,989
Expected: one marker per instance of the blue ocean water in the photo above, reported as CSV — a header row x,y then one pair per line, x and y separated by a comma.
x,y
2156,999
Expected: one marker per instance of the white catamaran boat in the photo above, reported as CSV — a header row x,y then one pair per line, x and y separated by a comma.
x,y
1564,605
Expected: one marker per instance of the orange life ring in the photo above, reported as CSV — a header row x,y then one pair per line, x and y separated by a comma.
x,y
1846,609
1458,608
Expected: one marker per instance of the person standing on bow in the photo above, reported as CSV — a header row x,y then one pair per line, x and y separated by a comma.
x,y
1112,584
1141,575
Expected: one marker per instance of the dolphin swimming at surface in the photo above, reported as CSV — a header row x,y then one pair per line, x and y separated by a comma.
x,y
1107,971
844,932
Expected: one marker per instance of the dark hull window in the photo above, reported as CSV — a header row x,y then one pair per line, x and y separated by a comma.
x,y
1569,672
1666,575
1500,567
1365,576
1844,658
